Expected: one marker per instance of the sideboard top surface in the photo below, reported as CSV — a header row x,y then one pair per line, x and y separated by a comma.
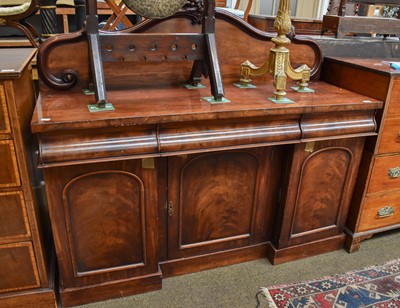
x,y
60,110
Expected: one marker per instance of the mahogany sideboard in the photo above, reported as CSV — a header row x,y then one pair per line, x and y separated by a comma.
x,y
168,183
375,207
26,270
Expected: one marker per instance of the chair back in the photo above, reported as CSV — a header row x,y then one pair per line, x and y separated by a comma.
x,y
247,10
18,9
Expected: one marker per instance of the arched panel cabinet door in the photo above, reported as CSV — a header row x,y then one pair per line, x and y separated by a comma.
x,y
104,220
218,201
318,194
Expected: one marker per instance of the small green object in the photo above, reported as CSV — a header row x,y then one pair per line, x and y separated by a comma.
x,y
242,86
213,101
191,87
284,100
96,108
88,92
305,90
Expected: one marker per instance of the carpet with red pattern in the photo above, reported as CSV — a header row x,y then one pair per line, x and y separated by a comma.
x,y
374,287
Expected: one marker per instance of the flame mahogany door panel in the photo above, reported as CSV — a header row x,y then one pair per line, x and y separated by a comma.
x,y
104,216
218,201
321,183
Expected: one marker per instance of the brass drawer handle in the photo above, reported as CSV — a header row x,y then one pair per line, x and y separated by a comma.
x,y
394,172
386,211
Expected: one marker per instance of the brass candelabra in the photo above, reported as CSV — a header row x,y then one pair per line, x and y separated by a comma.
x,y
278,62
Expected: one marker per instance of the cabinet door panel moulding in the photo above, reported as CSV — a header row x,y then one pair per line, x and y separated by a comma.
x,y
217,201
106,238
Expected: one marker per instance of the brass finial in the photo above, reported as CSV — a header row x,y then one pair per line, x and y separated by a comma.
x,y
278,62
282,23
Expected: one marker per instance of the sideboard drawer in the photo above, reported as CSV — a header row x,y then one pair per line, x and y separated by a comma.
x,y
9,175
13,216
4,120
390,136
385,174
18,267
380,211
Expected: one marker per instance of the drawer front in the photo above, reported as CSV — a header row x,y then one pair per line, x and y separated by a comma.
x,y
385,174
380,211
13,217
4,120
18,269
9,175
390,136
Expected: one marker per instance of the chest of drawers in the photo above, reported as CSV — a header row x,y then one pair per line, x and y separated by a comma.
x,y
25,256
375,205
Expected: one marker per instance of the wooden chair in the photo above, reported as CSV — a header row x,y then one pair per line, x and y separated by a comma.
x,y
119,10
240,13
247,10
15,17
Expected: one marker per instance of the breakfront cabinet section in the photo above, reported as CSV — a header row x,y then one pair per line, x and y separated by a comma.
x,y
26,252
319,189
106,226
218,201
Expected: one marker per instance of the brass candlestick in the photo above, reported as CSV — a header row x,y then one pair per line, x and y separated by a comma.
x,y
278,62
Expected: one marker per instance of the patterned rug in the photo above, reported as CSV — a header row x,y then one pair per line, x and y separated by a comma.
x,y
375,287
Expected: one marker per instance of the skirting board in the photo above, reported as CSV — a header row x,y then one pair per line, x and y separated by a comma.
x,y
213,260
287,254
108,290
